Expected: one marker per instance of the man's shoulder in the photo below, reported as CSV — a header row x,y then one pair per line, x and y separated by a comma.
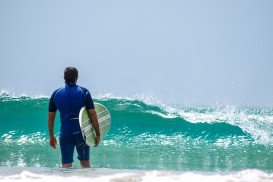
x,y
85,90
59,89
56,91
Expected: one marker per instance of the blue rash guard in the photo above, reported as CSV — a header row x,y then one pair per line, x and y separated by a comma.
x,y
69,100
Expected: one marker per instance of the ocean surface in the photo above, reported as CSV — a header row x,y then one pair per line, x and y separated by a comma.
x,y
146,142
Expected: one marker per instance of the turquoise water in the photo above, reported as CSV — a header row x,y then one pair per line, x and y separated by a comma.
x,y
146,136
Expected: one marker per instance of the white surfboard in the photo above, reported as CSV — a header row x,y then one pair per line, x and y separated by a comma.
x,y
88,131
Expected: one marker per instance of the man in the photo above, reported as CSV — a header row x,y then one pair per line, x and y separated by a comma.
x,y
68,100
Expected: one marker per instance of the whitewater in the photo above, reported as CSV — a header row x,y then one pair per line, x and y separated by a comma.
x,y
146,142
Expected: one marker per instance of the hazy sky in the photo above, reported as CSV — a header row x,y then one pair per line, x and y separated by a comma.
x,y
183,52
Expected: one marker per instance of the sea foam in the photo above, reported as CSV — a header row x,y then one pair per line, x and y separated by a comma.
x,y
123,175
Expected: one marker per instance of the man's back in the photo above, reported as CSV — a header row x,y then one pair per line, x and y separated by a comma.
x,y
69,100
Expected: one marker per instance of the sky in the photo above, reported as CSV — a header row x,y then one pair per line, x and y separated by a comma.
x,y
194,52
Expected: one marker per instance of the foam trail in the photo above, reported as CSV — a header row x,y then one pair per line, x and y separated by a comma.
x,y
104,175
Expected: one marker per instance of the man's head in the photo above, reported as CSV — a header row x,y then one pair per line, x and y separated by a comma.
x,y
70,75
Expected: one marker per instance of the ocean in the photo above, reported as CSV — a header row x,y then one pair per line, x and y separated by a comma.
x,y
147,141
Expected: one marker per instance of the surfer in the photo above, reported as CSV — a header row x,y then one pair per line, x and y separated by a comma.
x,y
68,100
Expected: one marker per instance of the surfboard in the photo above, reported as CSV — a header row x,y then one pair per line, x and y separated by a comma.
x,y
88,131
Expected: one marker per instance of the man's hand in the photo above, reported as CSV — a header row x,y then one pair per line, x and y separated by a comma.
x,y
97,141
53,142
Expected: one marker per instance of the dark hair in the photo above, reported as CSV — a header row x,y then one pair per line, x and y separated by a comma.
x,y
70,75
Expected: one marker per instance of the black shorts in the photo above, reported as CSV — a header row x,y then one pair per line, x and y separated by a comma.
x,y
68,145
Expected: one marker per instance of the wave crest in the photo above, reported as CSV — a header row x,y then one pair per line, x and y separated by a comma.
x,y
143,115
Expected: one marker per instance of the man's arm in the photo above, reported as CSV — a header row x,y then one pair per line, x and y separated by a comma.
x,y
95,123
51,119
